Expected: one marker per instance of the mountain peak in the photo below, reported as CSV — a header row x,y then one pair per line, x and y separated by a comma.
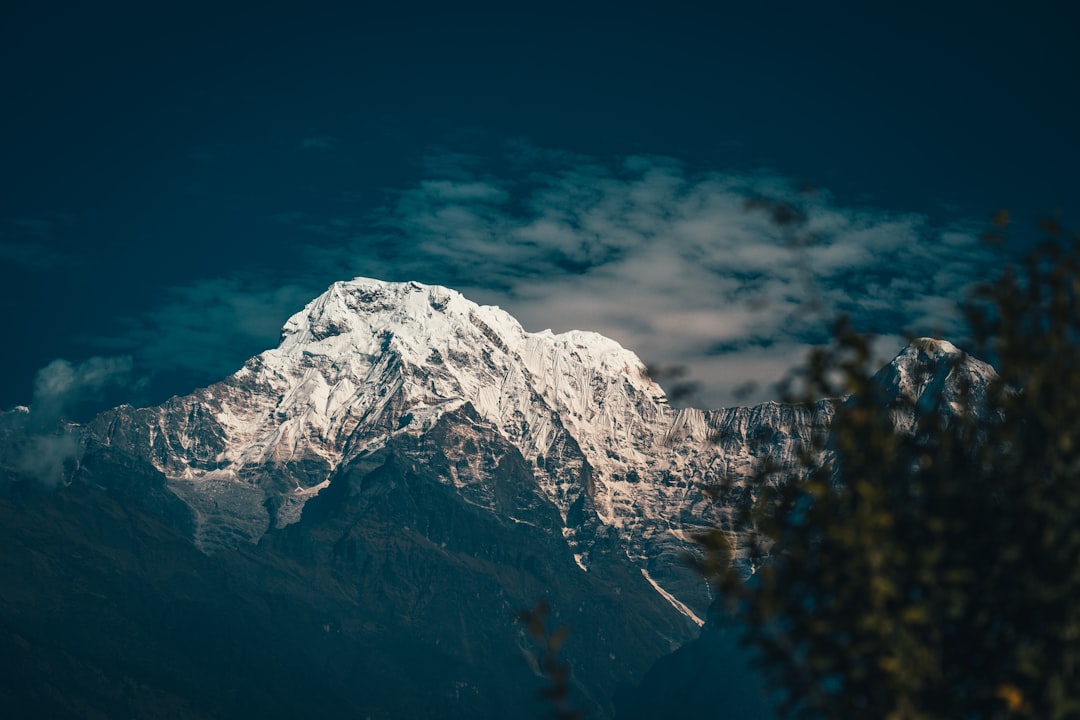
x,y
412,319
929,371
439,348
359,306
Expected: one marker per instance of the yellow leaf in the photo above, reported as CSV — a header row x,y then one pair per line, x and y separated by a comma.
x,y
1011,696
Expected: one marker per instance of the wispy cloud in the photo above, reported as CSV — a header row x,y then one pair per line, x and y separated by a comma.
x,y
670,262
61,385
48,458
37,444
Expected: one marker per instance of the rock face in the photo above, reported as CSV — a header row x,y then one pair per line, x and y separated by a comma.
x,y
408,470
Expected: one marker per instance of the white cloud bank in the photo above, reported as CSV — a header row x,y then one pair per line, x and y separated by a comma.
x,y
677,267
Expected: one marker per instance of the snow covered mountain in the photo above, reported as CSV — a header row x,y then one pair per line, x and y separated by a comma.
x,y
408,469
368,361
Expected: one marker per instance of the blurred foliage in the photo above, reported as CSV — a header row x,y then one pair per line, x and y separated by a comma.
x,y
929,569
557,692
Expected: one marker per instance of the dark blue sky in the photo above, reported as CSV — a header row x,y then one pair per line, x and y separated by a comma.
x,y
178,180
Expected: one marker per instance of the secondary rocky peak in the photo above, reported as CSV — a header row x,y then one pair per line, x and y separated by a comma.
x,y
931,373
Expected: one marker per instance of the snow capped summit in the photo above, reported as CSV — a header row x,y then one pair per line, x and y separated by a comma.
x,y
446,351
368,359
